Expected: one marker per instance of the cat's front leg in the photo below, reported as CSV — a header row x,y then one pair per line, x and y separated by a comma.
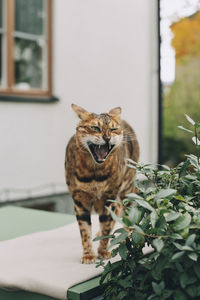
x,y
106,226
82,205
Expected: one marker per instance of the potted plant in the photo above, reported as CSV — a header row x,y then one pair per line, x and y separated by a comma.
x,y
165,215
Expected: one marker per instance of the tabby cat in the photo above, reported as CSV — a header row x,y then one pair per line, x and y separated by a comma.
x,y
96,172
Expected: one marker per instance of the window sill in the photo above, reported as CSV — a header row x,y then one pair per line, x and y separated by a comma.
x,y
28,99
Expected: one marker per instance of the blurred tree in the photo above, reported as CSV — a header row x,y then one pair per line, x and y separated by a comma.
x,y
183,96
186,40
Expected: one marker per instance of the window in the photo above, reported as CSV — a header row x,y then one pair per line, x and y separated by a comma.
x,y
180,75
25,47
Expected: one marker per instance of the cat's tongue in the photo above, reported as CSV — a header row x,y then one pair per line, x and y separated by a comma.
x,y
101,152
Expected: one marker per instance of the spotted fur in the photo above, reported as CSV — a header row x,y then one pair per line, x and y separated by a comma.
x,y
96,172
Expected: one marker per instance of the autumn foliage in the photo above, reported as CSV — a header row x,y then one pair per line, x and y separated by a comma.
x,y
186,40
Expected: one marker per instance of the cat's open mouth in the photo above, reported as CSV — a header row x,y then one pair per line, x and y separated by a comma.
x,y
100,152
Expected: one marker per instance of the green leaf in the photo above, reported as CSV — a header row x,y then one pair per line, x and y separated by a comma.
x,y
138,237
158,287
125,284
126,221
190,239
177,255
196,141
184,280
131,166
179,295
153,218
167,294
139,185
131,161
182,222
165,167
190,120
145,204
185,129
115,265
178,246
172,216
182,248
164,193
179,267
135,215
185,232
179,198
114,252
190,177
197,125
138,229
176,236
114,216
115,201
158,244
120,230
160,225
122,294
118,239
122,251
192,291
134,196
193,256
193,160
184,168
187,248
97,238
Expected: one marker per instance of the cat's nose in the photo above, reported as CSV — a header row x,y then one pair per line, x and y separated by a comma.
x,y
106,138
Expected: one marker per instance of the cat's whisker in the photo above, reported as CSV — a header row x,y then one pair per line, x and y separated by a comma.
x,y
83,147
129,133
129,139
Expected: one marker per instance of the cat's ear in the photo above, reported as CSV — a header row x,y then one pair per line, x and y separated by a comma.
x,y
115,112
81,112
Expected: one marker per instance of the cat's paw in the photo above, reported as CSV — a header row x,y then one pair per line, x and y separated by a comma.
x,y
105,254
88,259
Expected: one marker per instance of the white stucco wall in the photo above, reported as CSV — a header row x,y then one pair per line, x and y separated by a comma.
x,y
104,56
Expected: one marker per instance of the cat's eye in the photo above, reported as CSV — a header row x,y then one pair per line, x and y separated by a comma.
x,y
96,128
113,129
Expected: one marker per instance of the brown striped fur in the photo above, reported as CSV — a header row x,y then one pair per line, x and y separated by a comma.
x,y
95,175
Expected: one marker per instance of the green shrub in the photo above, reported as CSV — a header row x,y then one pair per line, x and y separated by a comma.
x,y
164,214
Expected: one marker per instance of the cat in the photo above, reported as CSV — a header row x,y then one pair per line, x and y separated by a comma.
x,y
96,172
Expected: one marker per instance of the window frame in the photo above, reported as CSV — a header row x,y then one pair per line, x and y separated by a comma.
x,y
10,91
160,92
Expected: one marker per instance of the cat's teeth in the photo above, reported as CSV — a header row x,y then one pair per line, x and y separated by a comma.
x,y
99,146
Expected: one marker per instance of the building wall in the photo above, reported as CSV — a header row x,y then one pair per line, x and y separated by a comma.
x,y
104,54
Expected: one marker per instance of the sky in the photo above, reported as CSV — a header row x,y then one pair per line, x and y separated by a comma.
x,y
171,11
